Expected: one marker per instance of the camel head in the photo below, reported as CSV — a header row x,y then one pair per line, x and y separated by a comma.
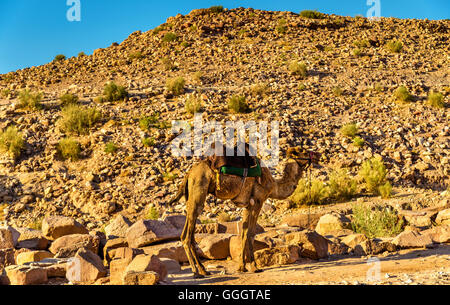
x,y
303,157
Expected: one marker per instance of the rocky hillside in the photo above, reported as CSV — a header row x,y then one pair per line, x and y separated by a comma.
x,y
351,76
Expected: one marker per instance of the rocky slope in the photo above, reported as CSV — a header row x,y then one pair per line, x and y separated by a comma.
x,y
233,50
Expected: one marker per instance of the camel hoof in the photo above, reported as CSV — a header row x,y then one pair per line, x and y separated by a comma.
x,y
198,276
257,271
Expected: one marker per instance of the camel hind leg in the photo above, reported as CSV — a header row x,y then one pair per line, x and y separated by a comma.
x,y
194,207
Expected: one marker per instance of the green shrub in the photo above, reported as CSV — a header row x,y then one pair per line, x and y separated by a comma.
x,y
379,222
357,52
30,100
361,44
216,9
111,148
152,213
394,46
168,63
170,37
193,105
175,85
81,54
113,92
282,27
152,121
402,95
374,174
337,91
60,57
67,99
238,104
11,142
136,55
298,68
358,141
259,89
69,148
198,77
78,119
148,142
6,92
436,99
36,224
312,14
308,194
385,190
350,130
341,185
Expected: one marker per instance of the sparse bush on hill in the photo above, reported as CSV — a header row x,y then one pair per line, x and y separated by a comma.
x,y
78,119
152,121
152,213
30,100
216,9
60,57
374,174
81,54
111,148
377,222
167,63
312,14
436,99
350,130
394,46
282,26
136,55
6,92
337,91
341,185
69,149
11,142
170,37
67,99
298,68
259,89
358,141
361,44
193,105
357,52
113,93
148,142
238,104
198,77
402,95
309,194
385,190
176,85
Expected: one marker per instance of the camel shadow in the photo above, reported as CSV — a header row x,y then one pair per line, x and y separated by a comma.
x,y
186,278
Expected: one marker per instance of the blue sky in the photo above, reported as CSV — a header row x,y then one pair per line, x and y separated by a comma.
x,y
32,32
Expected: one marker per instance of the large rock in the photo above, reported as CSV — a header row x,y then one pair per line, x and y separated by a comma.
x,y
417,218
333,224
32,256
236,246
353,240
173,250
412,239
312,244
118,227
235,228
54,227
172,266
68,245
147,232
110,246
277,256
439,234
31,239
6,239
145,262
443,217
177,221
305,221
215,246
7,257
26,275
86,267
118,265
144,278
55,267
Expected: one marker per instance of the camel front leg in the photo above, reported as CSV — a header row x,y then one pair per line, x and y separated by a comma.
x,y
244,241
253,220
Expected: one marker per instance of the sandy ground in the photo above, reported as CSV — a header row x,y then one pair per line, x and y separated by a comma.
x,y
412,267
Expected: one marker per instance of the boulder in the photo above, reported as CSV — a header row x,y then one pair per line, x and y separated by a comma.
x,y
7,257
147,232
333,224
353,240
439,234
31,239
312,244
118,265
443,217
172,266
215,246
177,221
68,245
55,267
145,278
146,262
6,239
32,256
54,227
305,221
113,244
412,239
86,267
417,218
235,228
277,256
118,227
336,247
26,275
173,250
236,246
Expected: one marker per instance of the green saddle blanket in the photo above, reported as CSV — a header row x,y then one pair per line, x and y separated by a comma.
x,y
251,172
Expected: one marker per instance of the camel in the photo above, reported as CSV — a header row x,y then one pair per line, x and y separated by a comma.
x,y
249,193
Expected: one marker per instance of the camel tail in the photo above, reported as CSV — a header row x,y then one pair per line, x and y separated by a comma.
x,y
182,191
